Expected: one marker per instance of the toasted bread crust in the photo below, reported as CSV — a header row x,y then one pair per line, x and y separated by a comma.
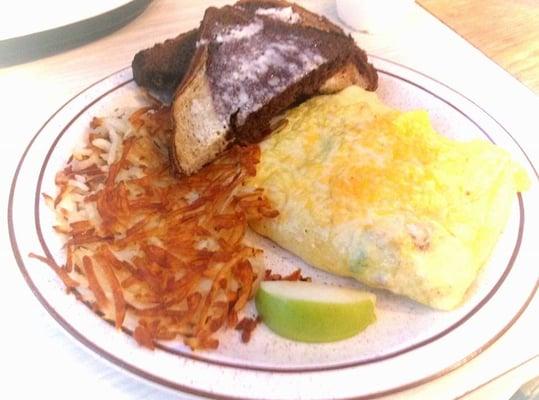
x,y
162,67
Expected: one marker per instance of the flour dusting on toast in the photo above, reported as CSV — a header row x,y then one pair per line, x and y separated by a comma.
x,y
267,69
285,14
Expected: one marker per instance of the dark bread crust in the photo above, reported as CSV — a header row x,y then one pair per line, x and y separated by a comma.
x,y
162,67
366,69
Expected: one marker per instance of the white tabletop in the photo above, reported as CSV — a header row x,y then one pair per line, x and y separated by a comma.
x,y
38,359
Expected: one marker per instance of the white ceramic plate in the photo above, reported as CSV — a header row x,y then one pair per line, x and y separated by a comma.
x,y
410,344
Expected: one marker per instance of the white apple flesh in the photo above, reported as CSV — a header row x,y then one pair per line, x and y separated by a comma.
x,y
314,312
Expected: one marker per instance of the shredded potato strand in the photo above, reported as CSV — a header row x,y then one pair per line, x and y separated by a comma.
x,y
159,254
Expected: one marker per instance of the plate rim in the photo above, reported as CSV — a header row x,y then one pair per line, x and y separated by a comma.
x,y
174,385
65,126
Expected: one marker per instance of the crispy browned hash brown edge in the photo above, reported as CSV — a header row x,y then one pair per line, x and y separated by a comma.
x,y
159,253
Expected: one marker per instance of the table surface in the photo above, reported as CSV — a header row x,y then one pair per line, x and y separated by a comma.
x,y
44,361
509,34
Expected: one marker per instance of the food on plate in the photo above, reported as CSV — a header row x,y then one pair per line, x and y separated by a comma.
x,y
377,194
252,61
314,312
161,256
161,68
344,182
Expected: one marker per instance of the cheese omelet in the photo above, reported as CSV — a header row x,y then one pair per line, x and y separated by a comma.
x,y
378,195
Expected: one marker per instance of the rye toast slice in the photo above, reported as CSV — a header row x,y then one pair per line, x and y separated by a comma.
x,y
248,67
161,68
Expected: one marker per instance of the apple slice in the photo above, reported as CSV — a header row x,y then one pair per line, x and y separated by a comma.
x,y
313,312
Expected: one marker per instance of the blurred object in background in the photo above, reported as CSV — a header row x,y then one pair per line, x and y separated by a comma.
x,y
529,391
32,29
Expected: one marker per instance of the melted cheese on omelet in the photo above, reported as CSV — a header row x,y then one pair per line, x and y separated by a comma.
x,y
376,194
